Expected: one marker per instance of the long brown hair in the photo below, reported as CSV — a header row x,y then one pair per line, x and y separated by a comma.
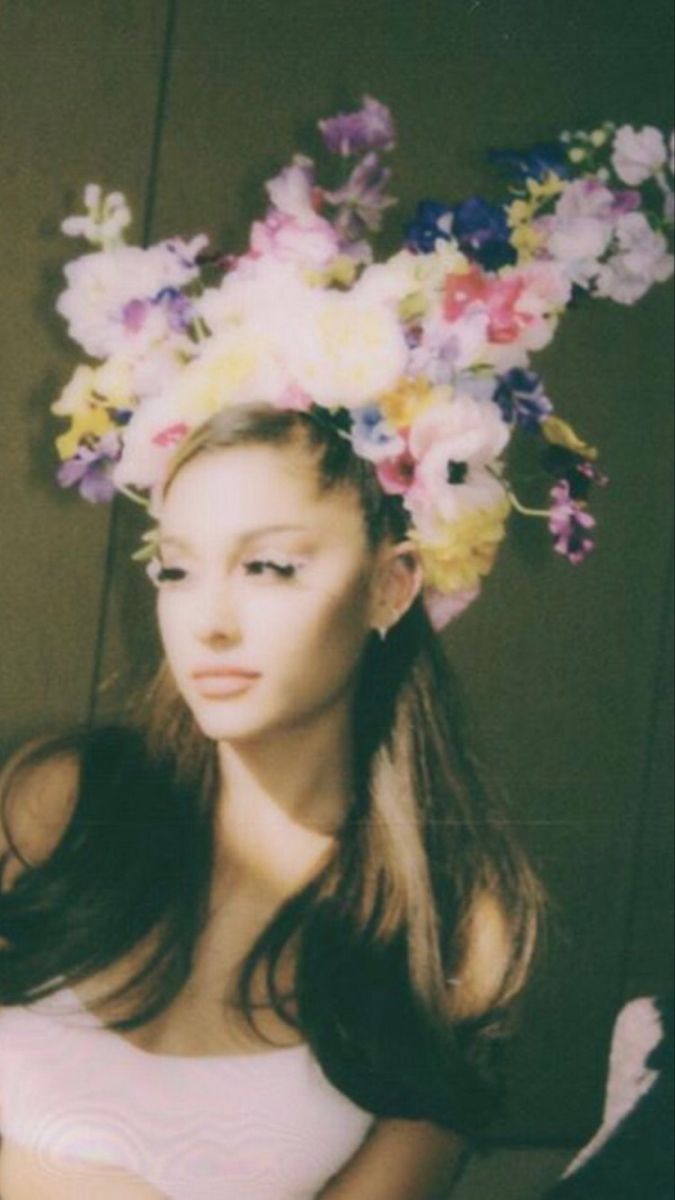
x,y
382,932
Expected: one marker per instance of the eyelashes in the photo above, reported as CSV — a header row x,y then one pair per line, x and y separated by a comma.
x,y
254,568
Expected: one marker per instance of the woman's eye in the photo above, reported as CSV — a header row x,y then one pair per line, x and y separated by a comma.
x,y
265,566
170,574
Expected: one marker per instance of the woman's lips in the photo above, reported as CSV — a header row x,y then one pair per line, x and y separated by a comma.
x,y
216,682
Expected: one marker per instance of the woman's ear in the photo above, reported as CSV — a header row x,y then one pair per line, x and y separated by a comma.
x,y
398,580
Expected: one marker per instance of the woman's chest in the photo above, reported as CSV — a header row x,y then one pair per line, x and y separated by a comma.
x,y
207,1016
80,1103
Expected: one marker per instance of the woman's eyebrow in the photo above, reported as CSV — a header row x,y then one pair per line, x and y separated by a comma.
x,y
245,535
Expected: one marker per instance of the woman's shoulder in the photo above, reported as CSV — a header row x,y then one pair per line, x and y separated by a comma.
x,y
38,792
40,784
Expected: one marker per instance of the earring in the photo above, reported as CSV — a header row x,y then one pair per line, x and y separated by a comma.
x,y
381,631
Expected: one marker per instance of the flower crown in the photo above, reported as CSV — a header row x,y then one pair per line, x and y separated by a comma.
x,y
422,361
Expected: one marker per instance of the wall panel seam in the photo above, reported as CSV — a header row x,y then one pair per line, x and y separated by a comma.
x,y
148,218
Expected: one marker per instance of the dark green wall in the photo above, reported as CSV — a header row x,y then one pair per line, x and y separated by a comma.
x,y
189,108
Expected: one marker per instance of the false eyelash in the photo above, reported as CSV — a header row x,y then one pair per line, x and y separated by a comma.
x,y
169,574
285,570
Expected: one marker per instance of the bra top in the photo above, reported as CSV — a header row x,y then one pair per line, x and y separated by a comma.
x,y
267,1126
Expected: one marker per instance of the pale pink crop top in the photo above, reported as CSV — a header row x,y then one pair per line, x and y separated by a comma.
x,y
265,1126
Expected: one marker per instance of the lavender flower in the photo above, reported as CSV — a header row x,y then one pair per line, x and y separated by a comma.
x,y
361,201
90,470
370,128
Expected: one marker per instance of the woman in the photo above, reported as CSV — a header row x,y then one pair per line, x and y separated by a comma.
x,y
260,945
295,850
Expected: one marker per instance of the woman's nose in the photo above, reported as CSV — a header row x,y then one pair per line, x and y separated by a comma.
x,y
218,617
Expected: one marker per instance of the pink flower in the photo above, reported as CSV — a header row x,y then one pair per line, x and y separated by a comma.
x,y
497,295
294,399
569,522
396,475
171,435
443,607
461,291
293,192
310,242
502,302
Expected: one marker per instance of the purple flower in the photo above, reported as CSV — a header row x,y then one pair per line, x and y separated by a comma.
x,y
569,523
521,397
626,201
361,200
432,221
483,233
134,315
90,470
370,128
578,473
177,306
536,163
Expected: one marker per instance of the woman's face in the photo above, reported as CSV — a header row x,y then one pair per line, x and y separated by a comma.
x,y
265,590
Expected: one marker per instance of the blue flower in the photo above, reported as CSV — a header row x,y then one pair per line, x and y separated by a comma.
x,y
536,163
522,400
483,233
432,221
372,436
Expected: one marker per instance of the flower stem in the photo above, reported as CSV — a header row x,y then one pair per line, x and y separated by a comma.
x,y
525,511
132,495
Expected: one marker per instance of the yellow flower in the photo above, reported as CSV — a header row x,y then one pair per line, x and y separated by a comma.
x,y
526,240
90,421
406,401
413,306
599,137
577,154
342,271
107,385
551,186
467,550
520,212
559,433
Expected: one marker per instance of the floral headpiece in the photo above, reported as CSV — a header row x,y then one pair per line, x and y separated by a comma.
x,y
423,360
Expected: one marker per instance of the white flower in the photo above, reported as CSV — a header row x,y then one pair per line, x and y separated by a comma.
x,y
345,351
584,198
150,439
432,500
292,190
108,302
638,155
642,260
107,216
311,243
237,366
259,293
390,282
447,347
456,443
465,428
547,292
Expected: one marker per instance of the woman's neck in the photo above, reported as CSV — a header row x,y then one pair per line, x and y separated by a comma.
x,y
283,799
